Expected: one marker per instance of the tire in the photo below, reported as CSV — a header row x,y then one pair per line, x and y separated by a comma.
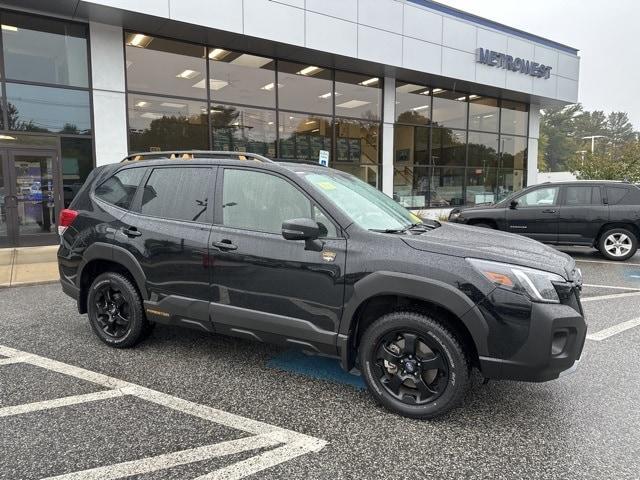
x,y
484,225
115,311
446,382
618,244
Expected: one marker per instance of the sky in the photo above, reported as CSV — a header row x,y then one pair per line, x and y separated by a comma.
x,y
606,33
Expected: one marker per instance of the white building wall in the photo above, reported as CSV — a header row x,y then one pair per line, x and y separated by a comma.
x,y
109,99
532,150
388,119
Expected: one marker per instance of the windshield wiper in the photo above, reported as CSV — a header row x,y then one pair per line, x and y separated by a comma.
x,y
418,226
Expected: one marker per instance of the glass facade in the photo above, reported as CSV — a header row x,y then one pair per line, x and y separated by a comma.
x,y
186,96
453,148
46,107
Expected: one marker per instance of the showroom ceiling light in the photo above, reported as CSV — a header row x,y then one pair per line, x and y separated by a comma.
x,y
310,70
188,74
142,104
7,137
270,86
462,98
421,107
151,115
140,40
213,84
370,81
173,105
218,54
437,91
324,96
353,104
246,60
9,28
473,97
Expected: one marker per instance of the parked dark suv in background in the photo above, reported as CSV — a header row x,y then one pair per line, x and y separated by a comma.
x,y
600,214
313,258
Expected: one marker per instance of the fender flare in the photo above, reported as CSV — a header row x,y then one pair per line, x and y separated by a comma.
x,y
112,253
420,288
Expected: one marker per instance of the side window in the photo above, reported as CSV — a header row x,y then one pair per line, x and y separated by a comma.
x,y
616,194
583,195
261,202
540,197
179,193
120,189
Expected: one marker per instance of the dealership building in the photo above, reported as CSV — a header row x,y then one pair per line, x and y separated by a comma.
x,y
434,106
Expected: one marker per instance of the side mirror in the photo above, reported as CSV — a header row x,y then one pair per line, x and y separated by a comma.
x,y
303,229
513,204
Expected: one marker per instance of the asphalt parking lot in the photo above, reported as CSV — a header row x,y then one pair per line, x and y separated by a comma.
x,y
190,405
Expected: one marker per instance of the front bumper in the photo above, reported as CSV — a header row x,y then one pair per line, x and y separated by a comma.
x,y
553,345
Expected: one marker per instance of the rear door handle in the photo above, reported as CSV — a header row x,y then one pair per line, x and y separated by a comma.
x,y
225,245
131,232
549,210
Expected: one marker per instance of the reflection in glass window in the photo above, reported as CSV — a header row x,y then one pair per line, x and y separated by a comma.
x,y
583,195
243,129
303,136
358,96
411,145
540,197
168,67
261,202
157,124
413,104
481,186
483,150
514,118
177,193
509,181
483,114
513,152
411,186
77,163
449,108
449,147
446,187
44,50
357,141
242,78
120,189
33,108
305,88
368,173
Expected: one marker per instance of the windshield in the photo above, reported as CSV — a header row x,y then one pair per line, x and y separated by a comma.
x,y
364,204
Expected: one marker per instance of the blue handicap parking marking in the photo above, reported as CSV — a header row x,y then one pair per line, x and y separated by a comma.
x,y
321,368
632,274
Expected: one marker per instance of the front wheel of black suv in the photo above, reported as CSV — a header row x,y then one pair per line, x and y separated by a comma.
x,y
618,244
115,311
414,365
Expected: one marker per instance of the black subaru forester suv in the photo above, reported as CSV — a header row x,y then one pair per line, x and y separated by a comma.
x,y
313,258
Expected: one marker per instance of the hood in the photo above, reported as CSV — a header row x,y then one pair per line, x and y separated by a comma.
x,y
486,244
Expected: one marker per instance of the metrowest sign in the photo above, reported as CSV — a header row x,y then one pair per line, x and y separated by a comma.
x,y
501,60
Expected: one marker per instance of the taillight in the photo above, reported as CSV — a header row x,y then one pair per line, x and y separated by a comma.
x,y
66,219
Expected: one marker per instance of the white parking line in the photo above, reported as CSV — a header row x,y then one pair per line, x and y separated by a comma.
x,y
292,444
621,264
612,287
58,402
611,331
609,297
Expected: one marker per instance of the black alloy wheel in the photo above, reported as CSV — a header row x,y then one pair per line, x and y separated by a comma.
x,y
411,367
112,311
115,310
414,364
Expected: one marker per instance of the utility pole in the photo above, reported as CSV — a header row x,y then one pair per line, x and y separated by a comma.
x,y
593,140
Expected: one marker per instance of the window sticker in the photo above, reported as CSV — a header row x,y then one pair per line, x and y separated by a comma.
x,y
326,185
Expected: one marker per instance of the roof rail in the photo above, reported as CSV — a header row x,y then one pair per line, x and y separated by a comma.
x,y
192,154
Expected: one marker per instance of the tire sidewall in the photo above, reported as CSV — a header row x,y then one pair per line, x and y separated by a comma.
x,y
605,235
451,350
136,319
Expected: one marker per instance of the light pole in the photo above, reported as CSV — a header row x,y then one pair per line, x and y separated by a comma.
x,y
593,140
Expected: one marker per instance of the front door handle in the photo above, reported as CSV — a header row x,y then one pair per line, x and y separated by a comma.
x,y
225,245
131,232
549,210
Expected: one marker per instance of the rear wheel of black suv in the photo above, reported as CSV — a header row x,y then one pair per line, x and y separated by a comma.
x,y
618,244
414,365
115,311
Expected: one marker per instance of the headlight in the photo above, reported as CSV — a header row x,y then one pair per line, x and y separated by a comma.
x,y
536,284
453,215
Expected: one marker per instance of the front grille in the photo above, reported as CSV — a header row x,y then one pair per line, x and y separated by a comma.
x,y
569,294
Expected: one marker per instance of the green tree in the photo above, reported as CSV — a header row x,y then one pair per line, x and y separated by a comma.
x,y
558,128
619,129
623,165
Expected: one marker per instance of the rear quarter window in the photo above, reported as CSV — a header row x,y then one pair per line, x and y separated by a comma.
x,y
120,188
616,195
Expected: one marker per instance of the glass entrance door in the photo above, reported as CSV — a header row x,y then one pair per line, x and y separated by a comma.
x,y
32,197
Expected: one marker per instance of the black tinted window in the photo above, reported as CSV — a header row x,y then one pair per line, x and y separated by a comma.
x,y
261,202
180,193
616,194
120,189
583,195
